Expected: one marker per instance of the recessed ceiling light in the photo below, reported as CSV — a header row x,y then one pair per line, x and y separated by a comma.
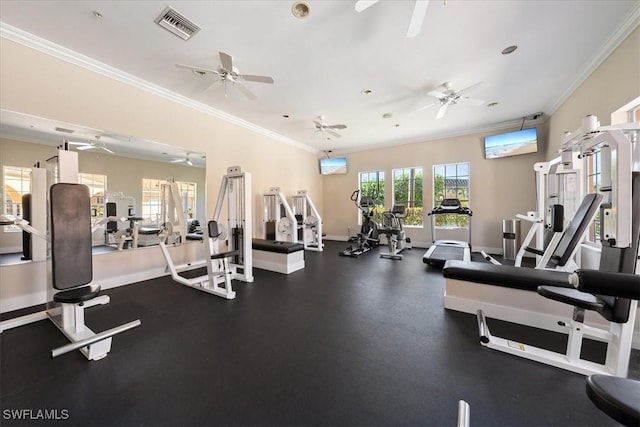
x,y
387,115
97,14
366,91
508,50
300,9
397,125
492,104
286,116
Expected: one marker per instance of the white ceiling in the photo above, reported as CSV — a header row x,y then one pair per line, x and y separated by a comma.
x,y
321,63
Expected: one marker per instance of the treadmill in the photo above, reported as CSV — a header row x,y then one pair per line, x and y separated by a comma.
x,y
442,250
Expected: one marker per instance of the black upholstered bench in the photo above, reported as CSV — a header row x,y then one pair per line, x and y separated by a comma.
x,y
275,246
526,279
281,257
617,397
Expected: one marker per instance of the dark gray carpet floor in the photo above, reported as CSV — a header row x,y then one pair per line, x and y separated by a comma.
x,y
345,341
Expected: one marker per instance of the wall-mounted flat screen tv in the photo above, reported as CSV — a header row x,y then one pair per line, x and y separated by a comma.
x,y
333,166
511,144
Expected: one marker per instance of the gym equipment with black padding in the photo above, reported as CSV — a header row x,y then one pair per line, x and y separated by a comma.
x,y
617,397
72,272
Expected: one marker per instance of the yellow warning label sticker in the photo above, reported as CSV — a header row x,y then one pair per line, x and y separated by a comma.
x,y
516,345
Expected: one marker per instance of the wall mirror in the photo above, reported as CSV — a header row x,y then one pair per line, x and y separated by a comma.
x,y
124,174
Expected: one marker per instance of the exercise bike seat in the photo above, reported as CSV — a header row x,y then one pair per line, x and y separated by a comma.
x,y
617,397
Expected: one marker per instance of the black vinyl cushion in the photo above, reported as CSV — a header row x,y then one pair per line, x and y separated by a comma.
x,y
275,246
527,279
77,295
617,397
573,297
623,285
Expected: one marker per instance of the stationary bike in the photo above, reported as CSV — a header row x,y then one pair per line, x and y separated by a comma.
x,y
368,237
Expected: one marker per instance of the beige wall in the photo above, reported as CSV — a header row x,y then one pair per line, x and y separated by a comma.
x,y
500,188
43,86
613,84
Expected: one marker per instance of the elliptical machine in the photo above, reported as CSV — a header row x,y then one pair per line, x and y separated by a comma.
x,y
368,237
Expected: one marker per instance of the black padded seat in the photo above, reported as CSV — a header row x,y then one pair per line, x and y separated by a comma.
x,y
149,231
77,295
225,254
573,297
617,397
275,246
527,279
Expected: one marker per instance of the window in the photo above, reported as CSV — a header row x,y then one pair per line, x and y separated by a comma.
x,y
372,187
17,182
97,190
451,181
152,199
407,190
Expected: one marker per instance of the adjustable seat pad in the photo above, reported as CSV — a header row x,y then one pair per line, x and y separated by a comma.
x,y
527,279
617,397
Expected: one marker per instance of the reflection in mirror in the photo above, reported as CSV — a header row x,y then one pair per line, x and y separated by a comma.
x,y
125,177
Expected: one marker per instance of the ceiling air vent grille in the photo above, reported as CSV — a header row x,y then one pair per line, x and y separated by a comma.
x,y
177,24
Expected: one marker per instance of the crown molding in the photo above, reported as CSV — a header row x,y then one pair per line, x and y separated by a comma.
x,y
29,40
625,29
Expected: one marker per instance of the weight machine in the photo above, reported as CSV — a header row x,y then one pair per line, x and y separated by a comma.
x,y
308,220
221,267
481,288
280,222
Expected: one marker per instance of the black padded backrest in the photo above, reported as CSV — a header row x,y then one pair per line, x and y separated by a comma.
x,y
70,235
576,228
112,226
622,260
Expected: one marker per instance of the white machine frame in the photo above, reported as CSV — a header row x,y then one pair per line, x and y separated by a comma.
x,y
278,212
236,187
311,226
619,159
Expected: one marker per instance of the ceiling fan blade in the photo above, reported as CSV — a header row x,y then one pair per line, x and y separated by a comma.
x,y
252,78
86,147
177,160
227,61
470,101
417,18
192,68
335,134
214,84
436,94
424,107
364,4
441,111
468,88
318,124
336,127
189,162
245,90
107,150
78,143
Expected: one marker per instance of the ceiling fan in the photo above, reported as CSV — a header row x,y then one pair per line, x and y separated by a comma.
x,y
185,159
417,17
321,126
447,96
228,73
81,146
